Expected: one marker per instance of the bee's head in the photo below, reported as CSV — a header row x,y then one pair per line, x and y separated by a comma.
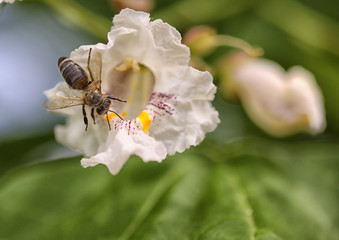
x,y
104,107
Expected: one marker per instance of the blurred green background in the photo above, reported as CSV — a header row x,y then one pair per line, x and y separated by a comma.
x,y
238,184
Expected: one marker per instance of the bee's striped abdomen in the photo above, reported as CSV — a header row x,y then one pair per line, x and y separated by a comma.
x,y
74,75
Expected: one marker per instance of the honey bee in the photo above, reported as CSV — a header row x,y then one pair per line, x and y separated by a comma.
x,y
77,78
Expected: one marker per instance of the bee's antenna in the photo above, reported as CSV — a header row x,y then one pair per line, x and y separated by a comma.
x,y
116,114
114,98
88,64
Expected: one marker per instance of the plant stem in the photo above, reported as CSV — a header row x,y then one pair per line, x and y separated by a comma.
x,y
230,41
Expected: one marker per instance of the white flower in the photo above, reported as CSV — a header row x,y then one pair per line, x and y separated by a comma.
x,y
281,103
7,1
168,105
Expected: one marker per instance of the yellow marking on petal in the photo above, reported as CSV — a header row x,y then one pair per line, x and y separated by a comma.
x,y
145,121
144,98
110,116
123,114
130,100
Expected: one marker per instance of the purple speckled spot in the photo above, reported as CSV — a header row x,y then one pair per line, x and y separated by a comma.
x,y
128,125
164,102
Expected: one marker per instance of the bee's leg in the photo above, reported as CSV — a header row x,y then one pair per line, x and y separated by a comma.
x,y
109,125
85,117
88,63
92,115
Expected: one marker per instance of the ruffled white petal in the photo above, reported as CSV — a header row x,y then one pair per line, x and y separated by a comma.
x,y
192,115
73,134
131,19
186,127
122,146
186,82
168,42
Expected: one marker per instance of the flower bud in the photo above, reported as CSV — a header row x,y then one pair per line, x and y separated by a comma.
x,y
138,5
201,40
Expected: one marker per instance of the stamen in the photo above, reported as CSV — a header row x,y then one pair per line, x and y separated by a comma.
x,y
127,64
230,41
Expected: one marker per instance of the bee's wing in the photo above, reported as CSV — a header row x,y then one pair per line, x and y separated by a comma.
x,y
60,101
94,67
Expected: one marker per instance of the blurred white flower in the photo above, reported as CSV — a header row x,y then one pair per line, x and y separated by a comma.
x,y
281,103
7,1
168,105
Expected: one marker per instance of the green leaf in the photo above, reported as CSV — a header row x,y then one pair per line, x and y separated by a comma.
x,y
251,189
292,187
21,151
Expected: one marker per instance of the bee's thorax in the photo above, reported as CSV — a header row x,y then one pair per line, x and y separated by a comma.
x,y
93,97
